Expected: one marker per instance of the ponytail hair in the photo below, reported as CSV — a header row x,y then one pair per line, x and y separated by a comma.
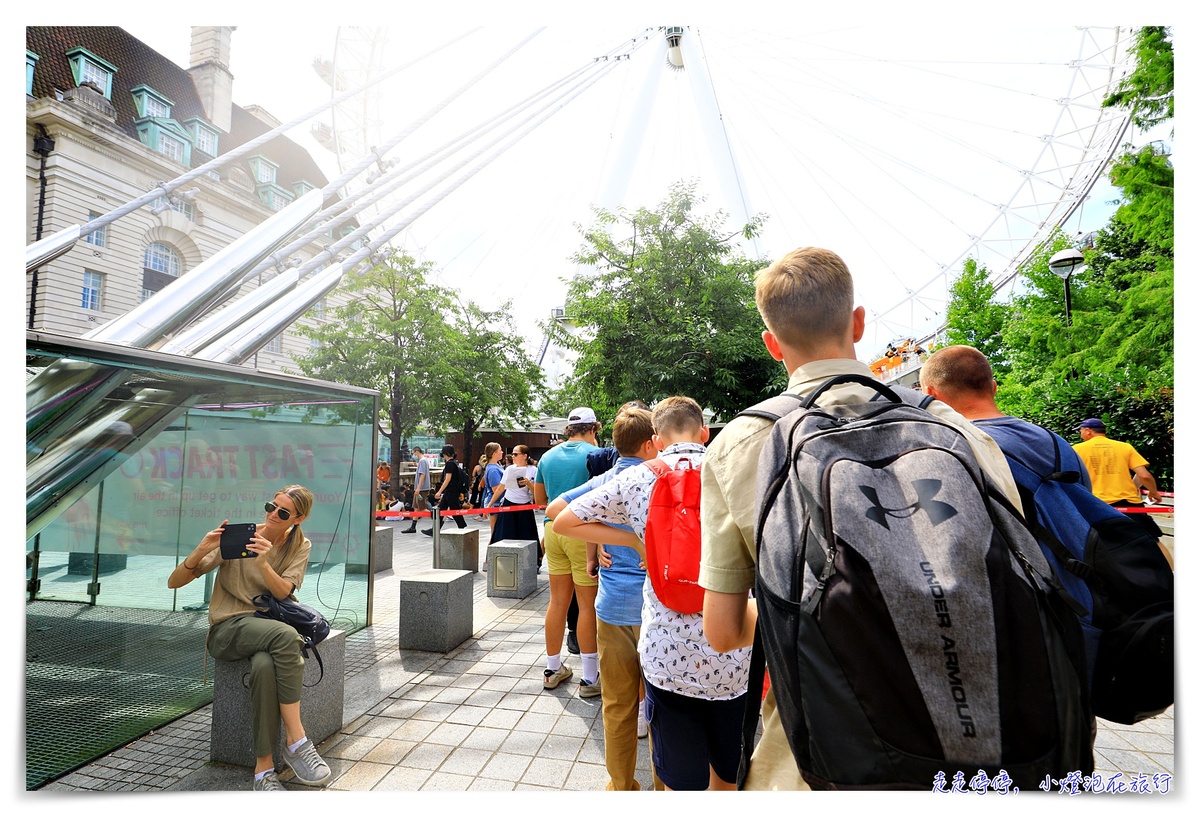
x,y
488,450
303,499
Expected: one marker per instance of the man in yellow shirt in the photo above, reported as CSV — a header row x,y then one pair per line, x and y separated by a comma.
x,y
1114,466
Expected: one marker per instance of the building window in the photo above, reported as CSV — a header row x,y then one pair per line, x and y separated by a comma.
x,y
275,345
318,310
99,237
206,140
87,67
160,267
170,147
276,200
184,208
302,187
264,169
30,63
150,103
162,258
92,282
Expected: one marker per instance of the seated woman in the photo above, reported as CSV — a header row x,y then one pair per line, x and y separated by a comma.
x,y
276,665
515,489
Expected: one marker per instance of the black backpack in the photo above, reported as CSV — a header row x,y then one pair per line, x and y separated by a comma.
x,y
307,621
1113,567
911,625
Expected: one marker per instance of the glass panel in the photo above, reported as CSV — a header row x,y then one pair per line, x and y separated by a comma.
x,y
129,462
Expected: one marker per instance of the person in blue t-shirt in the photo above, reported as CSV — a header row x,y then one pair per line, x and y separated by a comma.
x,y
619,610
562,468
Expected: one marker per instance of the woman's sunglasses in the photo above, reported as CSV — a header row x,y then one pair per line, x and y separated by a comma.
x,y
284,513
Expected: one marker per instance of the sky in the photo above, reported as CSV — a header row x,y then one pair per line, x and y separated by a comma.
x,y
894,144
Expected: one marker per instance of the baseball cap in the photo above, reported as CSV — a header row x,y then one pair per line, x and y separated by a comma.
x,y
1092,422
583,414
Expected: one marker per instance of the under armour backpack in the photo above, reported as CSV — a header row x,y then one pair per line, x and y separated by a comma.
x,y
910,623
1114,568
673,535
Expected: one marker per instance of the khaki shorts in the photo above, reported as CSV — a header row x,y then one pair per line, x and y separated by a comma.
x,y
566,555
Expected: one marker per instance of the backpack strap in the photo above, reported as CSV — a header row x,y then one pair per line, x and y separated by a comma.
x,y
308,645
773,407
860,379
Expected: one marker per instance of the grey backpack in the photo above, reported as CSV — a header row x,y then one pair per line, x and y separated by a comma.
x,y
911,626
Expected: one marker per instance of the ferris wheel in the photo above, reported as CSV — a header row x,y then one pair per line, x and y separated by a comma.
x,y
357,126
1075,152
996,205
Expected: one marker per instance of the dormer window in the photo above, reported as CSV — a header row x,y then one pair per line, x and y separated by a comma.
x,y
203,137
150,103
87,67
264,169
30,63
301,187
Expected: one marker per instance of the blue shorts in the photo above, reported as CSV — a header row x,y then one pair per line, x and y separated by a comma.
x,y
691,734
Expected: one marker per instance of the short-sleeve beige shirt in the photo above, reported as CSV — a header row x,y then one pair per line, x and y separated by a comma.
x,y
240,580
728,483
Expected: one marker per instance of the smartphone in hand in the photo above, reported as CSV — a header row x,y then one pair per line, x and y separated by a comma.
x,y
234,539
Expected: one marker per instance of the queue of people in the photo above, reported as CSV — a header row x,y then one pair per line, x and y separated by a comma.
x,y
889,596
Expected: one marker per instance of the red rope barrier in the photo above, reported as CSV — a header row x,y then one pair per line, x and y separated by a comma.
x,y
464,512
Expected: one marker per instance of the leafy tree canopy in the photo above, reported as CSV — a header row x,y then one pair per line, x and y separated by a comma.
x,y
667,308
1149,90
436,361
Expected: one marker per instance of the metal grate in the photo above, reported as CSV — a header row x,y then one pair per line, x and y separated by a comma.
x,y
99,677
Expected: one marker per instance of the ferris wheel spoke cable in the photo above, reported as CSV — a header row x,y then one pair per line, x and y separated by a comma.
x,y
35,253
374,156
344,210
372,244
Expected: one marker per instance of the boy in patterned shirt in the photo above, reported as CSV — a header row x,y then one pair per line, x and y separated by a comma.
x,y
695,696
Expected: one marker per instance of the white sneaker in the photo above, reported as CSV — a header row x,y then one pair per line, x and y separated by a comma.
x,y
643,727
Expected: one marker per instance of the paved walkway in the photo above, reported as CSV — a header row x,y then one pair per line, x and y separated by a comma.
x,y
475,718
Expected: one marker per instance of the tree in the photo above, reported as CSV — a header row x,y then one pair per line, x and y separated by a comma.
x,y
669,309
974,318
1149,90
391,336
493,380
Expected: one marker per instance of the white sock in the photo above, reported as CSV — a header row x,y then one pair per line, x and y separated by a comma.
x,y
591,666
554,662
297,744
262,774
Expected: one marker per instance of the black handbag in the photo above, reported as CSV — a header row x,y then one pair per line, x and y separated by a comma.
x,y
307,621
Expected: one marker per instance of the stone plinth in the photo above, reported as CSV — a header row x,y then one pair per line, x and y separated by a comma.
x,y
459,550
512,568
321,703
436,612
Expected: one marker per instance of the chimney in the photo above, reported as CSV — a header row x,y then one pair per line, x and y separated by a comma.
x,y
210,72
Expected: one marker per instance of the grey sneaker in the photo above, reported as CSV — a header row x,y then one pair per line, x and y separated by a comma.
x,y
587,690
551,679
309,768
269,782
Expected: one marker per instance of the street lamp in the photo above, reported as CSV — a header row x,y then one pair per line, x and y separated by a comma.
x,y
1063,263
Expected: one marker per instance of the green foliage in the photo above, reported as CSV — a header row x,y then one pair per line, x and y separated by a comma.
x,y
493,381
1147,180
973,317
668,309
1137,406
1115,360
435,360
1149,90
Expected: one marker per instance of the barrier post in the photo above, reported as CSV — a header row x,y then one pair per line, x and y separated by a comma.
x,y
437,535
